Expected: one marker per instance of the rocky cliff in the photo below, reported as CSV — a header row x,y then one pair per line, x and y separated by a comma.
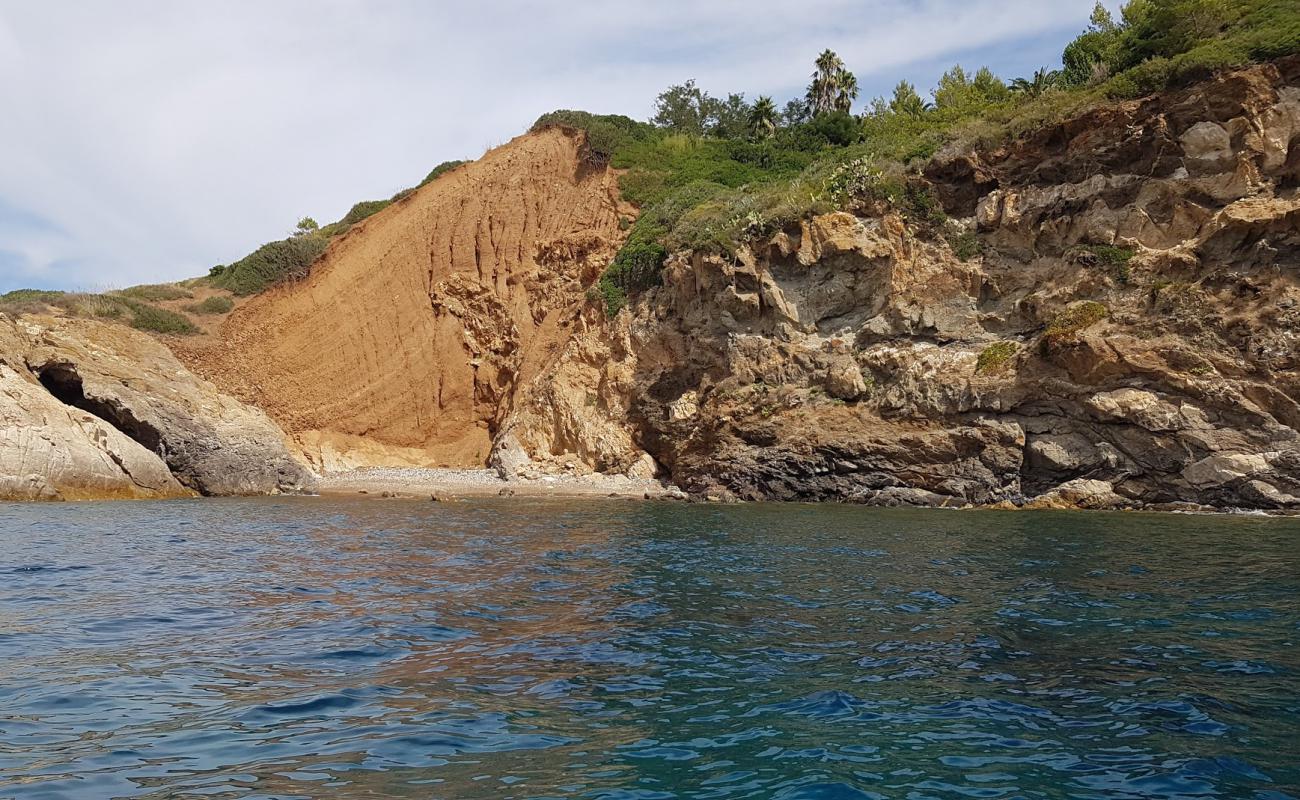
x,y
96,410
1105,315
1125,334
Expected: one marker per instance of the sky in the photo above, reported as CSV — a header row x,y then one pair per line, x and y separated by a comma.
x,y
147,140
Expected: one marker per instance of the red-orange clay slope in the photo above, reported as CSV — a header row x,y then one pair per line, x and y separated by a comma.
x,y
406,342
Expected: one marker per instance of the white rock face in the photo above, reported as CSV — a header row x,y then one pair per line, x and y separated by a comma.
x,y
1222,468
51,451
1207,141
99,410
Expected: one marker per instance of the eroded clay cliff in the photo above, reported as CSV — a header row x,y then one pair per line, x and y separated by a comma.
x,y
407,341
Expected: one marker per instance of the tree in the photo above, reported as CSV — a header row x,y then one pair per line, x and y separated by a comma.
x,y
305,226
1094,52
1043,80
796,112
848,92
1166,28
763,117
833,87
682,108
957,89
907,102
686,108
728,119
989,86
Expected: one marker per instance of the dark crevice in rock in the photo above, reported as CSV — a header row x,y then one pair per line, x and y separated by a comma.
x,y
63,381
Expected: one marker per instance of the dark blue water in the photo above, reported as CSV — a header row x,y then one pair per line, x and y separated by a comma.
x,y
635,651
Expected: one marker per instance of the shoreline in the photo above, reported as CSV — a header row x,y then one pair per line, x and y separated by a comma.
x,y
449,484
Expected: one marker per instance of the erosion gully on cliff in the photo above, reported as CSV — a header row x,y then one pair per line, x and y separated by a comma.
x,y
1125,335
407,342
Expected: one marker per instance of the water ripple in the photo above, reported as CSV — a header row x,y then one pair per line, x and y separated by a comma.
x,y
312,648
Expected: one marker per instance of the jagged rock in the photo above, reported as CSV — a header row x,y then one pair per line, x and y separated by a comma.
x,y
509,458
844,380
1080,493
898,496
1062,453
644,468
1224,468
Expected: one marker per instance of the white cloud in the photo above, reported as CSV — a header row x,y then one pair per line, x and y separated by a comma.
x,y
158,137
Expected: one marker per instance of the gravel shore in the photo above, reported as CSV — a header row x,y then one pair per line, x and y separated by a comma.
x,y
453,483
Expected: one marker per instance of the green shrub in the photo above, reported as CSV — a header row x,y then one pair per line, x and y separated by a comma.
x,y
606,133
402,195
151,318
1113,259
271,263
995,356
30,296
965,244
154,293
922,205
860,180
1076,318
364,210
217,304
444,167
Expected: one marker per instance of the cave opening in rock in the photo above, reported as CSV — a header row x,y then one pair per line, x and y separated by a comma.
x,y
62,381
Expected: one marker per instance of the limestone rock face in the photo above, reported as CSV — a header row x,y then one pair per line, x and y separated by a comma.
x,y
99,410
50,451
1128,333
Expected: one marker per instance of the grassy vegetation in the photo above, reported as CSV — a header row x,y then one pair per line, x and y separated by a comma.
x,y
151,318
1074,319
1110,258
995,357
124,305
704,181
965,244
217,304
444,167
155,292
26,296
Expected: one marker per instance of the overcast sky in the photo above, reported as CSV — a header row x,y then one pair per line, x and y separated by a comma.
x,y
143,140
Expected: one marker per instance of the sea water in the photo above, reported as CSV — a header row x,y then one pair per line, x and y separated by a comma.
x,y
619,650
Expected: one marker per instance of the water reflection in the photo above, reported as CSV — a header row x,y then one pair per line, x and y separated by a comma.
x,y
311,647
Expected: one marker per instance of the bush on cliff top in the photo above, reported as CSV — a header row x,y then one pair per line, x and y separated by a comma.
x,y
147,317
780,170
271,263
217,304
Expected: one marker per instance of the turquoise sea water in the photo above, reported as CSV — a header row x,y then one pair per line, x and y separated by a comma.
x,y
317,648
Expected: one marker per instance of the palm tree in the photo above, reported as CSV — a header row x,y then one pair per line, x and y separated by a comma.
x,y
848,91
833,87
762,117
1043,80
906,101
